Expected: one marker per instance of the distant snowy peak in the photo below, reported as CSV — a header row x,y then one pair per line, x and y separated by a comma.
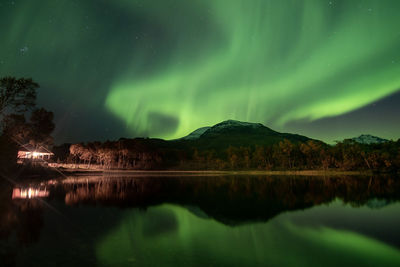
x,y
236,127
233,123
369,139
196,134
238,133
225,126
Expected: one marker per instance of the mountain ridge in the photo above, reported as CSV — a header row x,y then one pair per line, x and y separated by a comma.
x,y
238,133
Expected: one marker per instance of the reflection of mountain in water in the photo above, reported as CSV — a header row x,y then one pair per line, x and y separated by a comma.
x,y
231,200
377,203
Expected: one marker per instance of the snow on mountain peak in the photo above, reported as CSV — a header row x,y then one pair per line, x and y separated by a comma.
x,y
225,125
234,123
369,139
196,134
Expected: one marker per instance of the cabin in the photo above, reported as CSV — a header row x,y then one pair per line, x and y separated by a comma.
x,y
30,152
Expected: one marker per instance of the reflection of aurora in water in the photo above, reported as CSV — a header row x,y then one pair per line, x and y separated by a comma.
x,y
202,221
193,241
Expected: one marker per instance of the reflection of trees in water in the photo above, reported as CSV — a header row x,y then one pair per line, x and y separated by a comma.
x,y
231,200
30,221
26,219
22,217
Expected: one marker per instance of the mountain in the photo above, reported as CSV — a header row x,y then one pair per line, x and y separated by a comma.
x,y
238,133
369,139
196,134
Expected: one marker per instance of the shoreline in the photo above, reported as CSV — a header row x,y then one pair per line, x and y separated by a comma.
x,y
48,173
219,172
65,175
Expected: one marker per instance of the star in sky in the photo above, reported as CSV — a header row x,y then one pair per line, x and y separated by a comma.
x,y
24,49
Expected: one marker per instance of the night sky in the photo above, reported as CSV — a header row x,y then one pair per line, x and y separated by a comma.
x,y
327,69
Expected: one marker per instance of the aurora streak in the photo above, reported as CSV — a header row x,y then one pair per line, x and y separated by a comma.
x,y
271,62
165,68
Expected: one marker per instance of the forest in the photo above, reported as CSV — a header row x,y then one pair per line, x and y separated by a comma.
x,y
142,153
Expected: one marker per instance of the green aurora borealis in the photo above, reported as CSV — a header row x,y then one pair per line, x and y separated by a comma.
x,y
164,68
279,242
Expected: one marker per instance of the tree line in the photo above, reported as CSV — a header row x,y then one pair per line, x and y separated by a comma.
x,y
140,153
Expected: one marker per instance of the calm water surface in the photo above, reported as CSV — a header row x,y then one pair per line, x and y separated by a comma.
x,y
201,221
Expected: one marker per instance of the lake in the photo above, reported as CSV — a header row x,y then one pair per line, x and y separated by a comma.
x,y
193,220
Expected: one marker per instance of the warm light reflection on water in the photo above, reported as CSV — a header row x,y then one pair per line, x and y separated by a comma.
x,y
23,193
202,221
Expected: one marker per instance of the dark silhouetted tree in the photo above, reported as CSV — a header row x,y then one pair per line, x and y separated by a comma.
x,y
42,126
16,95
